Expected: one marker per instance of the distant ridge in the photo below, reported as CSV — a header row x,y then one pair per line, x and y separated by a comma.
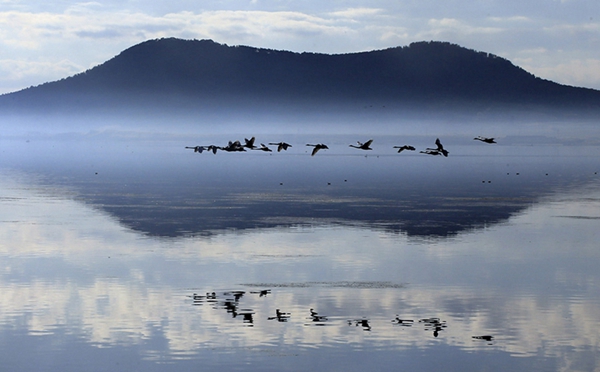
x,y
174,74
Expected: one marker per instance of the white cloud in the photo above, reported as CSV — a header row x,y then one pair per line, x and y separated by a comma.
x,y
576,72
356,12
510,19
447,26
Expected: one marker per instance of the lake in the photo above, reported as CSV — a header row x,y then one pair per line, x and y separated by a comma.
x,y
125,253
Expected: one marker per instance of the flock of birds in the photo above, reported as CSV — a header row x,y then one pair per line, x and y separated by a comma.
x,y
230,301
237,146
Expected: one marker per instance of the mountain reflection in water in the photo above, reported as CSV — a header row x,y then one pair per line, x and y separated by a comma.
x,y
170,260
176,192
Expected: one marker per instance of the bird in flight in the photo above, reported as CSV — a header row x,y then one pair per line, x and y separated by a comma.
x,y
198,149
440,149
280,145
317,147
485,139
250,143
263,148
405,147
363,146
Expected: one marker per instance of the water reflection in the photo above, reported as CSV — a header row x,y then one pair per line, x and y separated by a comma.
x,y
162,272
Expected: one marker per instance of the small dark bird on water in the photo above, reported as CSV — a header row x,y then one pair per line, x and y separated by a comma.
x,y
280,145
485,139
363,146
317,147
405,147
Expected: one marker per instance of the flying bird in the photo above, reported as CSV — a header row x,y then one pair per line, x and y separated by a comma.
x,y
233,146
212,148
198,149
363,146
440,148
317,147
485,139
263,148
281,145
405,147
250,143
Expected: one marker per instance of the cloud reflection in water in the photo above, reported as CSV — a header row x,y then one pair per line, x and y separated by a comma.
x,y
82,266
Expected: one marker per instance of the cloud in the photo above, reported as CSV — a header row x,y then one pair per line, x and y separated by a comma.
x,y
448,26
510,19
17,74
575,72
356,12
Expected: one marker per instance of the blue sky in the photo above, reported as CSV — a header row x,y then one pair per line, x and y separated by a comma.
x,y
42,41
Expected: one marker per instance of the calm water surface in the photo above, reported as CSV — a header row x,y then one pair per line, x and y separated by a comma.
x,y
141,255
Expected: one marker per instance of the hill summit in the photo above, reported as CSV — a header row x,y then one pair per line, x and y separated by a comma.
x,y
177,74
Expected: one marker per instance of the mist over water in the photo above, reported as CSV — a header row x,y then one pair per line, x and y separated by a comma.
x,y
122,249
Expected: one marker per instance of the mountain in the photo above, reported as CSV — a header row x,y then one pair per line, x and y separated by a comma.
x,y
170,75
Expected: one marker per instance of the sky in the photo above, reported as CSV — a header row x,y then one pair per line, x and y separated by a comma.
x,y
43,41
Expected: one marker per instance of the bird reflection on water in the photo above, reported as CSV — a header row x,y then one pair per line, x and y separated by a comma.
x,y
434,324
364,323
280,316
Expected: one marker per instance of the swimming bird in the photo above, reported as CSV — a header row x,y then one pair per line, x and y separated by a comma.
x,y
317,147
363,146
249,143
405,147
280,145
485,139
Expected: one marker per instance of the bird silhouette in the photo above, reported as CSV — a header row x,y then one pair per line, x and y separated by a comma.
x,y
280,145
431,152
212,148
485,139
249,143
317,147
198,149
233,146
405,147
263,148
440,148
363,146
